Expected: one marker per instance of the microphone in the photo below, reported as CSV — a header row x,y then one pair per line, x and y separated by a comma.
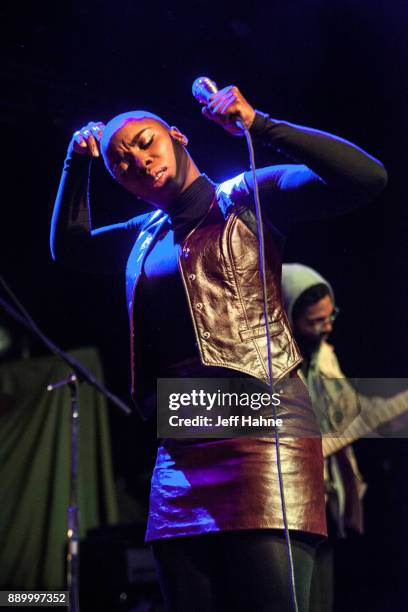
x,y
203,88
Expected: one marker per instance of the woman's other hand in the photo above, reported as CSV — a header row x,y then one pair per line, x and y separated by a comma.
x,y
86,140
226,107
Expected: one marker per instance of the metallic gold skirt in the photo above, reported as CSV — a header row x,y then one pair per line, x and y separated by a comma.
x,y
202,485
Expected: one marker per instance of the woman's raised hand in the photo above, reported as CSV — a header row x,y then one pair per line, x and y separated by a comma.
x,y
226,107
86,140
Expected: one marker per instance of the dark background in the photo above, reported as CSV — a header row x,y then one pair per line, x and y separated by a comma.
x,y
338,66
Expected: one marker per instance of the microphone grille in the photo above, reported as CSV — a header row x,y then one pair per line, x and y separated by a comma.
x,y
202,89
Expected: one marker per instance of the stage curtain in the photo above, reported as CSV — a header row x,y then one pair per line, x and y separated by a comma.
x,y
34,469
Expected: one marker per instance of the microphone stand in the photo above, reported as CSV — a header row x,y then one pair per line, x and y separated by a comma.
x,y
79,373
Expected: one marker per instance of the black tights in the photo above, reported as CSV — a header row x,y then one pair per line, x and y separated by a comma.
x,y
239,570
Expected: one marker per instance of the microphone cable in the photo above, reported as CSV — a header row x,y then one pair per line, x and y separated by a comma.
x,y
202,88
261,240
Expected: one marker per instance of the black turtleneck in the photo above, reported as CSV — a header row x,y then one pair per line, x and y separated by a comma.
x,y
162,309
191,206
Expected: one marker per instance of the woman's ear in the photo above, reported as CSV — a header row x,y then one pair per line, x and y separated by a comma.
x,y
177,135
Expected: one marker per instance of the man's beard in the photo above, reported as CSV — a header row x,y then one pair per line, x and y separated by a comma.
x,y
309,344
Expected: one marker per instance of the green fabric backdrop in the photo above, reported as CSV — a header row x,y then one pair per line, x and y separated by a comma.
x,y
34,469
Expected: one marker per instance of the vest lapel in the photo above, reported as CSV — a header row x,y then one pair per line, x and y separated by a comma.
x,y
141,248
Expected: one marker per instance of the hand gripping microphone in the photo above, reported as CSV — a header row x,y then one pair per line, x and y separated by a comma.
x,y
203,88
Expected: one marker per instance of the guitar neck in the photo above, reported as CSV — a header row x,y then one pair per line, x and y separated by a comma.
x,y
377,411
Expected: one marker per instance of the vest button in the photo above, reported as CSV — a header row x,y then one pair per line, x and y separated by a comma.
x,y
192,277
199,306
206,335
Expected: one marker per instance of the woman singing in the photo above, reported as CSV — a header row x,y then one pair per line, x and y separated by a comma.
x,y
195,301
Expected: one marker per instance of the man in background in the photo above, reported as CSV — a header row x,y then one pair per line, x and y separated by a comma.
x,y
310,305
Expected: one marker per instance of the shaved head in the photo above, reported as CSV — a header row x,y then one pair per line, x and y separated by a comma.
x,y
119,121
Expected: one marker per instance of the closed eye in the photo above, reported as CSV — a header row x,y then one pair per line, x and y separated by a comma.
x,y
144,143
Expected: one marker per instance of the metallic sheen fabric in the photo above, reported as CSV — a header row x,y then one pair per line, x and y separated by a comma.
x,y
219,266
202,486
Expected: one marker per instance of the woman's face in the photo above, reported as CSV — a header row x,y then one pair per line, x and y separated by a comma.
x,y
148,159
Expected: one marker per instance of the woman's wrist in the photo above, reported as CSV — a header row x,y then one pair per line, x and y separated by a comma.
x,y
260,124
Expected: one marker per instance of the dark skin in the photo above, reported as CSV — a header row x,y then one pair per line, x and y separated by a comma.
x,y
148,158
145,158
313,326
